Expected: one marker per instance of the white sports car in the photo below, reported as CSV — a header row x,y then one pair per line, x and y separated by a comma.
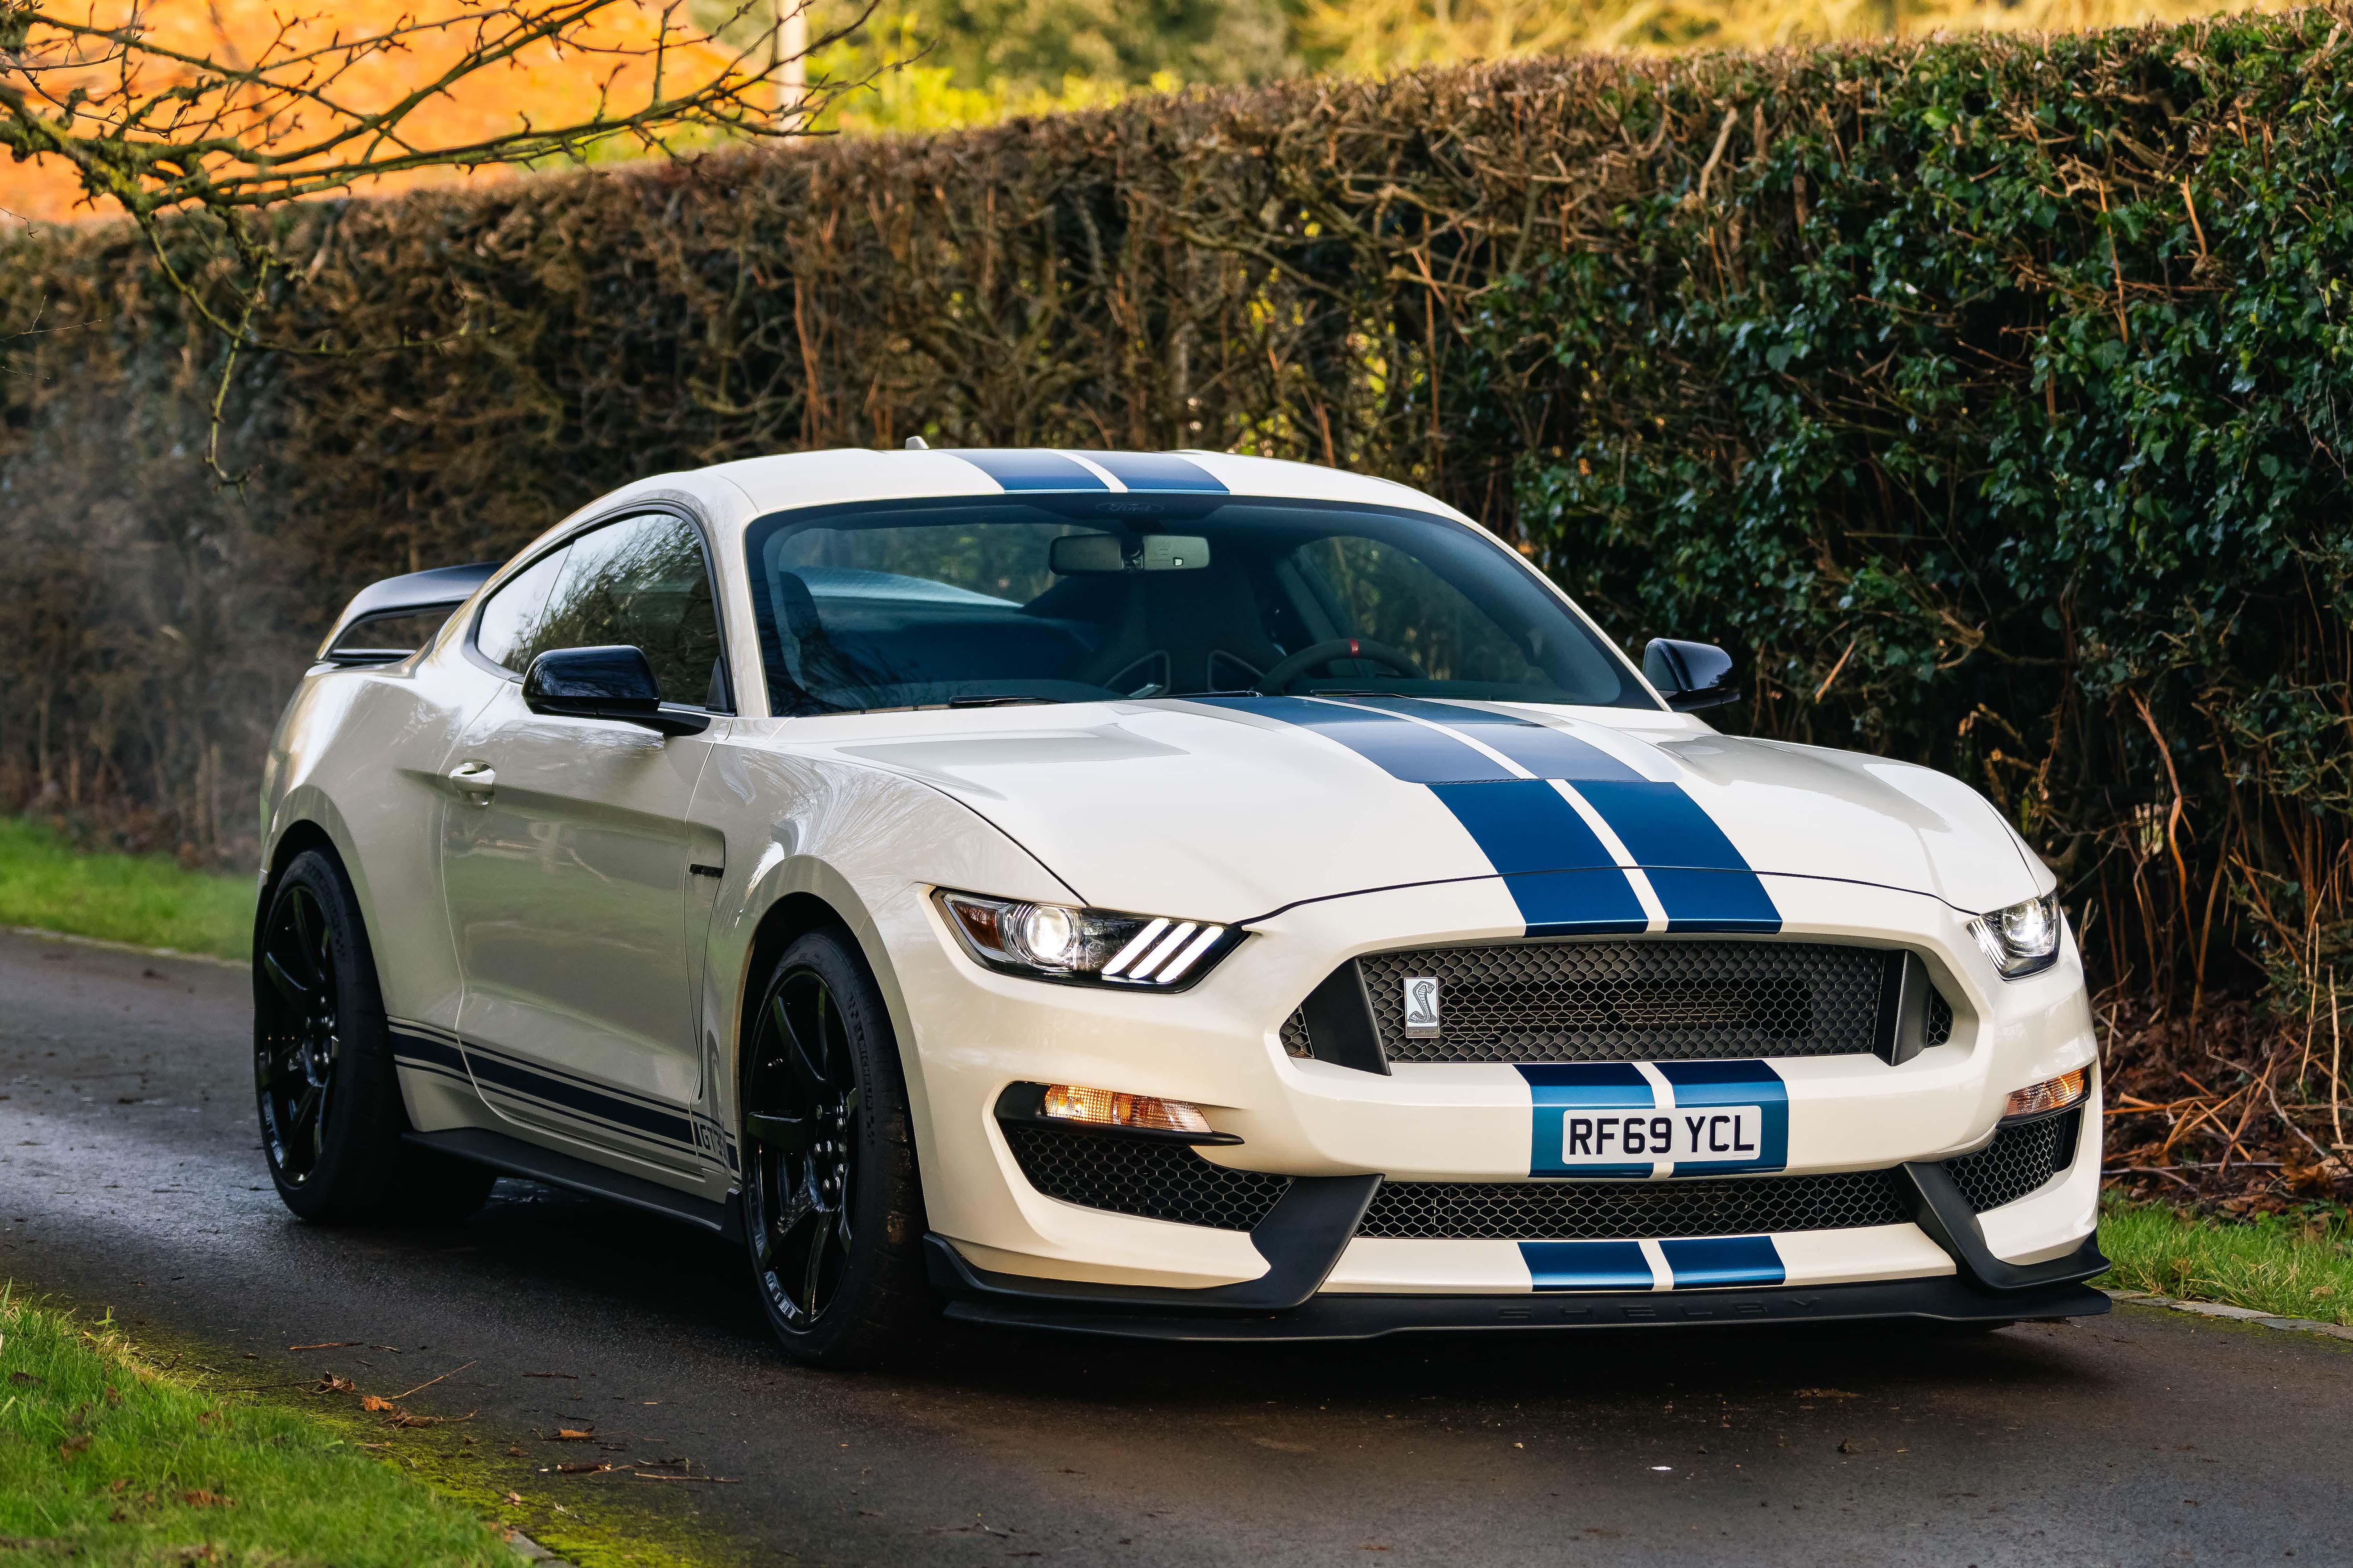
x,y
1171,895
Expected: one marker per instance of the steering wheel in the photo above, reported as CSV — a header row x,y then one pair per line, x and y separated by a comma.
x,y
1277,679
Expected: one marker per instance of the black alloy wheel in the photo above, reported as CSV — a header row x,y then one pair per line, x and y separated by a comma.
x,y
332,1120
295,1052
803,1126
831,1215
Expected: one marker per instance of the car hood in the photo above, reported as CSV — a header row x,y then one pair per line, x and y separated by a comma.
x,y
1224,809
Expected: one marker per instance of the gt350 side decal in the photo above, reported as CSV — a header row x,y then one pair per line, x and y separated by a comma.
x,y
1517,785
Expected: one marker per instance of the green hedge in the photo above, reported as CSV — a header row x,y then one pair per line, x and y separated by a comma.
x,y
1905,370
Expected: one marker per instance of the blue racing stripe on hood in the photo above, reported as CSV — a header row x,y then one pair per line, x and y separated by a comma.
x,y
1021,468
1413,753
1525,828
1562,880
1548,753
1701,880
1156,471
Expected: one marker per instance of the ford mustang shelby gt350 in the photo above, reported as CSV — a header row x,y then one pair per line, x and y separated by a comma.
x,y
1177,895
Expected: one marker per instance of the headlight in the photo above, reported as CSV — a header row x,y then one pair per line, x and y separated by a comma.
x,y
2022,939
1084,947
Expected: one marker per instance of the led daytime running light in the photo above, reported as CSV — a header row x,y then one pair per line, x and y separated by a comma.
x,y
1079,946
2023,938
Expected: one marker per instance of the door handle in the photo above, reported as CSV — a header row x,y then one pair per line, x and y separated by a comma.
x,y
475,781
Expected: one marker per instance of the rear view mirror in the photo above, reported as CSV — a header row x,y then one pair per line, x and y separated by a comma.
x,y
1690,675
1078,554
615,682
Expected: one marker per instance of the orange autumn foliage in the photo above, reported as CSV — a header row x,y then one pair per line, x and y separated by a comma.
x,y
611,59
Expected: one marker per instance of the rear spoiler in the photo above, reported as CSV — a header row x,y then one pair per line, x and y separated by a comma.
x,y
417,594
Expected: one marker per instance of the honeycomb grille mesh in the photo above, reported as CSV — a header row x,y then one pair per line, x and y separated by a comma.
x,y
1295,1042
1577,1211
1130,1176
1650,1000
2018,1160
1170,1182
1938,1026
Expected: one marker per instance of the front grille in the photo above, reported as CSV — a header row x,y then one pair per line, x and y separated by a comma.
x,y
1577,1211
1651,1000
1130,1176
1938,1026
1295,1042
2020,1160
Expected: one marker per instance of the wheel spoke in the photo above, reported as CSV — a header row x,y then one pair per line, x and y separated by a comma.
x,y
295,994
805,1064
306,936
815,1268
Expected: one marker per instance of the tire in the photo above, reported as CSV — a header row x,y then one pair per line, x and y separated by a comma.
x,y
833,1212
332,1115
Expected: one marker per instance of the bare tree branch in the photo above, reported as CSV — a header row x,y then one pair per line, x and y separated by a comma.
x,y
200,141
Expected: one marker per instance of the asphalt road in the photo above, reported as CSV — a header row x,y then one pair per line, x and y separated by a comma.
x,y
131,1179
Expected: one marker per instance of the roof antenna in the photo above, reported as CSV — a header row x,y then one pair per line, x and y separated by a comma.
x,y
917,444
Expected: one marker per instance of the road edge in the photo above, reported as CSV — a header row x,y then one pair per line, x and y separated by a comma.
x,y
2233,1314
45,934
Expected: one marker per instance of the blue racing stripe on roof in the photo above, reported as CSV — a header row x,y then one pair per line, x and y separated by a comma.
x,y
1548,753
1725,1261
1157,471
1586,1265
1022,469
1413,753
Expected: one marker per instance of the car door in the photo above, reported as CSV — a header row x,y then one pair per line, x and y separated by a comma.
x,y
567,851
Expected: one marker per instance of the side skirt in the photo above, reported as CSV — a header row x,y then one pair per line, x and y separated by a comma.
x,y
517,1158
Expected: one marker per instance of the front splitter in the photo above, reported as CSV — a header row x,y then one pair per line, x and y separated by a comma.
x,y
1947,1300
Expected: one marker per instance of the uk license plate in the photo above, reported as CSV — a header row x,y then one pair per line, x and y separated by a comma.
x,y
1615,1137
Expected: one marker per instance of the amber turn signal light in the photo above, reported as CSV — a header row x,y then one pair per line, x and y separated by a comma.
x,y
1103,1107
2054,1094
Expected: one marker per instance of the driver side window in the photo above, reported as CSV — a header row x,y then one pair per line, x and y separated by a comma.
x,y
642,581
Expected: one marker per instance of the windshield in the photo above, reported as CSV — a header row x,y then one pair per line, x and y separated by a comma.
x,y
965,601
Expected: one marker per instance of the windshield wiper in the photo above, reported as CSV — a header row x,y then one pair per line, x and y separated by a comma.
x,y
998,702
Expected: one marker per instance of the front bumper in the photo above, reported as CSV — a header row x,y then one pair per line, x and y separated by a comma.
x,y
1005,1249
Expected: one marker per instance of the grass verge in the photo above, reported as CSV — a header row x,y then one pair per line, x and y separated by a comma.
x,y
2289,1266
142,899
106,1456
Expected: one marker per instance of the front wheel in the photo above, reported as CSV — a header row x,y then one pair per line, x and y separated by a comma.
x,y
832,1211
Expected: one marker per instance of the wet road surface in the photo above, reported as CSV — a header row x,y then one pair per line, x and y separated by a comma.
x,y
131,1179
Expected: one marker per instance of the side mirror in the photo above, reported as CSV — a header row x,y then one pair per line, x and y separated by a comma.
x,y
614,682
1690,675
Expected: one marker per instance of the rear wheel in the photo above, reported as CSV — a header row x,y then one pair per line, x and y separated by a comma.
x,y
332,1117
832,1212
